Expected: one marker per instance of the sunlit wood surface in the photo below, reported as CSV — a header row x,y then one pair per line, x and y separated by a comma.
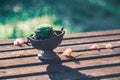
x,y
18,63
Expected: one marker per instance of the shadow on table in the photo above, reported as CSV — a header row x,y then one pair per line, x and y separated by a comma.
x,y
57,71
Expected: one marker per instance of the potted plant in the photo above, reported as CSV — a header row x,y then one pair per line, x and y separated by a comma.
x,y
45,38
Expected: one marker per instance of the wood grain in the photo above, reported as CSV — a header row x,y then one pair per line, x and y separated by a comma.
x,y
22,63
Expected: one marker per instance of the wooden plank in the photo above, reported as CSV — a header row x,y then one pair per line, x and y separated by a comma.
x,y
82,66
77,56
103,64
71,42
34,60
76,35
93,34
80,47
56,72
25,62
40,70
91,40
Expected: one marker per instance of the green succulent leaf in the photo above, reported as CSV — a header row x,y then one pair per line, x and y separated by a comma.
x,y
44,31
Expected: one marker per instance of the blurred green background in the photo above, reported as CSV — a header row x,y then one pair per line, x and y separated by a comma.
x,y
18,18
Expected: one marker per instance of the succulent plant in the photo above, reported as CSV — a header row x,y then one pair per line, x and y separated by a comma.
x,y
44,31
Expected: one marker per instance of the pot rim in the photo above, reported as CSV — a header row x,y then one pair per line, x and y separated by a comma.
x,y
30,38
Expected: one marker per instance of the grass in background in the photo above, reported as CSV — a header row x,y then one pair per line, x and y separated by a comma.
x,y
21,29
18,18
22,18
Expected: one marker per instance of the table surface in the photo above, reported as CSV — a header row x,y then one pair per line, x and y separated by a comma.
x,y
18,63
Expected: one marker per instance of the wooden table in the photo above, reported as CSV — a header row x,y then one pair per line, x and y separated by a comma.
x,y
22,63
